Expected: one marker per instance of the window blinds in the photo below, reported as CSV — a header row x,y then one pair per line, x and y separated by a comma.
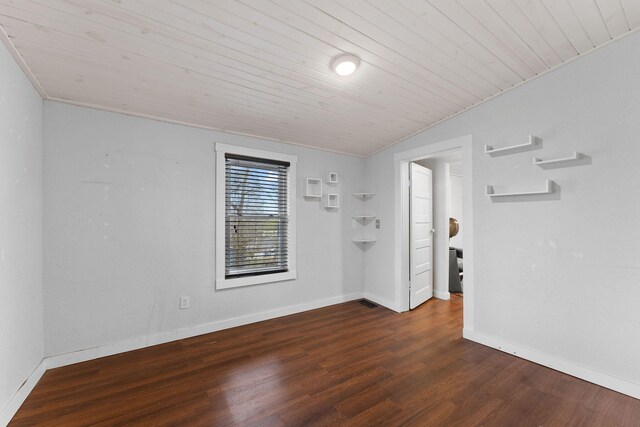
x,y
256,216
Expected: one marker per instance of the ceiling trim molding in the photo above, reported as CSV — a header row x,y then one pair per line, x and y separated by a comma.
x,y
193,125
22,63
562,64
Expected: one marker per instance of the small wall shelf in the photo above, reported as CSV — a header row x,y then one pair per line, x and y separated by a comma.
x,y
565,161
314,187
534,142
364,221
547,190
332,178
364,196
332,201
363,217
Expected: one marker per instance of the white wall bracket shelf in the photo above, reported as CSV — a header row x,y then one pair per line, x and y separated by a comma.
x,y
364,196
363,217
548,190
364,241
332,178
314,187
565,161
534,142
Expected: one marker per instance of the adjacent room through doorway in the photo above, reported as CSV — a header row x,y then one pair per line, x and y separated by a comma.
x,y
435,221
435,226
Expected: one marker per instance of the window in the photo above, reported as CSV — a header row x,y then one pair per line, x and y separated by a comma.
x,y
256,216
255,221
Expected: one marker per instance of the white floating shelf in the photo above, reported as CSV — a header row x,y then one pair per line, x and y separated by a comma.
x,y
364,240
363,217
547,190
557,162
332,178
364,196
332,201
314,187
534,142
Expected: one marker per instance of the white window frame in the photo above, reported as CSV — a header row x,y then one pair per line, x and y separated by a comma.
x,y
221,281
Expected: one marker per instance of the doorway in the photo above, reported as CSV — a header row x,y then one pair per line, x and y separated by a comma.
x,y
435,233
455,154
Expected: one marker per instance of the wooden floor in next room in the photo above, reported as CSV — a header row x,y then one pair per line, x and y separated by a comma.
x,y
341,365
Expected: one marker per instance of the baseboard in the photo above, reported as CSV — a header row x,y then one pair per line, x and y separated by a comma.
x,y
164,337
21,395
445,295
559,364
391,305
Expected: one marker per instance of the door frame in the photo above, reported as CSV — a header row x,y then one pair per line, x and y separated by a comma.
x,y
401,162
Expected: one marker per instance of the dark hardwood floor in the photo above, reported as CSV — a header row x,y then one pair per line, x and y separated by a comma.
x,y
341,365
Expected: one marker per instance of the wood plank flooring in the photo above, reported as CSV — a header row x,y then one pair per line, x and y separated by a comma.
x,y
341,365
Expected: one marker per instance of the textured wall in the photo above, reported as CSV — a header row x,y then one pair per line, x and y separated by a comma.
x,y
21,336
129,228
560,276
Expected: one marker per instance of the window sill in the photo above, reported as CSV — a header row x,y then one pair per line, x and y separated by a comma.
x,y
255,280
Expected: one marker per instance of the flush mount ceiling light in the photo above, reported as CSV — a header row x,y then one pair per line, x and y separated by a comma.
x,y
346,64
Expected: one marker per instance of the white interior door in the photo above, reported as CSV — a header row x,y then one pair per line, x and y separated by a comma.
x,y
420,235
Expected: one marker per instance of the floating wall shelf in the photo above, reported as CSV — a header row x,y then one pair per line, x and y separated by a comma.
x,y
533,143
314,187
364,220
363,217
332,178
548,190
332,201
364,196
558,162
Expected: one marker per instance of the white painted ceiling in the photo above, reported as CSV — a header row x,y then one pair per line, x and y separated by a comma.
x,y
261,67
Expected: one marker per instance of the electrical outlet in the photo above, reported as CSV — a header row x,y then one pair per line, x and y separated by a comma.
x,y
377,223
184,303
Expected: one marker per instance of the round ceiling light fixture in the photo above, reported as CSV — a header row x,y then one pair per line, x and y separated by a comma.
x,y
345,65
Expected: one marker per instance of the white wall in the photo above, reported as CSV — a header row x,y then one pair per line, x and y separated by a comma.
x,y
559,276
129,228
21,336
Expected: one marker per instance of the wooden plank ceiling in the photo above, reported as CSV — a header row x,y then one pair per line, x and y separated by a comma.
x,y
261,67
